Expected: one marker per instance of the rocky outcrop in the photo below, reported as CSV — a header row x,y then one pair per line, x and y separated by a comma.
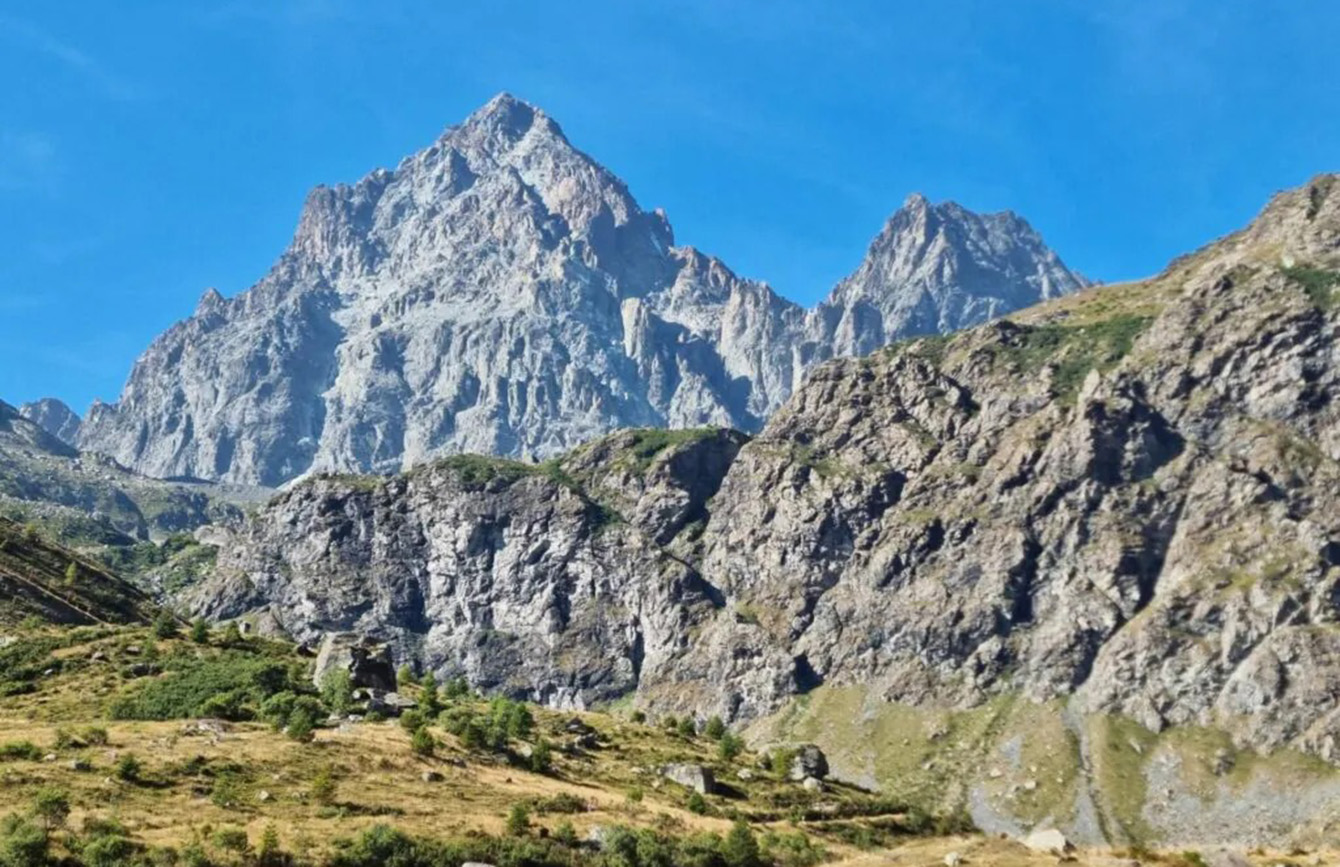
x,y
54,417
501,293
367,663
538,581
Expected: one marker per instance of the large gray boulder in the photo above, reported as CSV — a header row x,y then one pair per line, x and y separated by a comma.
x,y
368,662
692,776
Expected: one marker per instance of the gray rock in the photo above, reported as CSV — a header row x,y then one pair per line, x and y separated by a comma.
x,y
1048,840
812,784
808,762
368,662
54,417
424,310
693,776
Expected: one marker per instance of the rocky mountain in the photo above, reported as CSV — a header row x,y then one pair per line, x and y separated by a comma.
x,y
501,293
89,500
1078,566
54,417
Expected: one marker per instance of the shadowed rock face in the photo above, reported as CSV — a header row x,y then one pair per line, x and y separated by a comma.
x,y
501,293
54,417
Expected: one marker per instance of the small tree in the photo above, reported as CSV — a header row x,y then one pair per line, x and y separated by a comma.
x,y
269,854
165,625
337,690
422,742
541,757
687,728
51,807
301,725
324,786
740,848
200,631
697,803
232,636
429,700
715,728
404,676
412,720
128,768
71,573
518,821
729,746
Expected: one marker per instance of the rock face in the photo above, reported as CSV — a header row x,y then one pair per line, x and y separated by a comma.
x,y
1128,496
88,499
54,417
519,577
501,293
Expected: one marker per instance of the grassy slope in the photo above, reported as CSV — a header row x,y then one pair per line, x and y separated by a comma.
x,y
35,581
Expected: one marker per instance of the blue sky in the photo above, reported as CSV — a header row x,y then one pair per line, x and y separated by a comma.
x,y
151,149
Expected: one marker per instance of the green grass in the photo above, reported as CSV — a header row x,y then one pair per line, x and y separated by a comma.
x,y
1319,285
1072,350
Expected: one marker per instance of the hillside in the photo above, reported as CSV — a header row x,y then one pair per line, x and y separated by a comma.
x,y
43,581
115,754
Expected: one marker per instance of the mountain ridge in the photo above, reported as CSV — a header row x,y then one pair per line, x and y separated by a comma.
x,y
500,292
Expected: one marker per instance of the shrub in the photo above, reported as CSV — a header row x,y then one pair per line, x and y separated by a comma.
x,y
95,736
715,728
377,846
128,768
112,850
565,834
404,676
165,625
301,725
232,839
229,685
337,690
422,742
226,792
456,688
199,631
269,854
324,786
541,757
687,728
791,850
22,843
740,848
638,717
697,804
51,807
518,820
412,720
20,750
729,746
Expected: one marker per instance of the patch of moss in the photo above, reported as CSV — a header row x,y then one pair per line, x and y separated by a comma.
x,y
1318,284
1072,350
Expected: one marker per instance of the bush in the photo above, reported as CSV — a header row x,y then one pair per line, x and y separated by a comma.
x,y
518,821
638,717
337,690
22,843
715,728
422,742
228,685
112,850
697,804
270,854
128,768
456,688
165,625
412,720
226,792
232,839
301,725
199,631
404,676
565,834
729,746
324,786
95,736
428,698
791,850
687,728
51,807
20,750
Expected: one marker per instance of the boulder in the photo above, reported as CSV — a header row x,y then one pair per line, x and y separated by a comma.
x,y
1047,840
368,662
812,784
691,775
809,761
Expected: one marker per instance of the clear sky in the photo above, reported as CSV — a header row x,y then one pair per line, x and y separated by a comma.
x,y
151,149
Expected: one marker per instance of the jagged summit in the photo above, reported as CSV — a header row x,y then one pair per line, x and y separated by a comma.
x,y
502,292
